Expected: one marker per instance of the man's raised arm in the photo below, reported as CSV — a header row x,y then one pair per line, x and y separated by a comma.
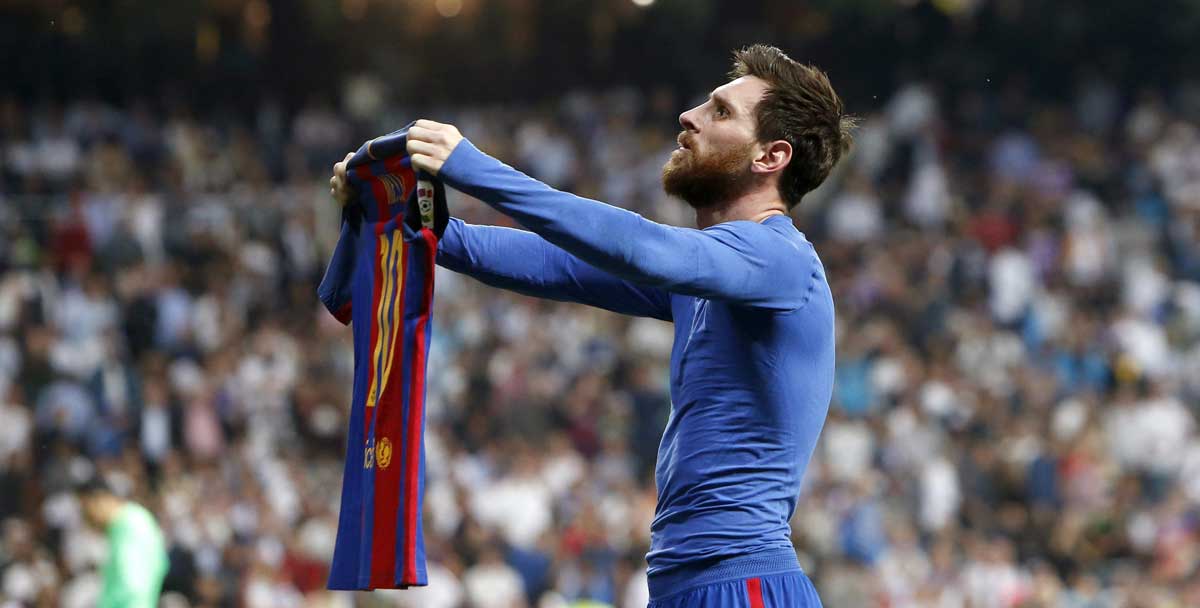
x,y
742,262
523,262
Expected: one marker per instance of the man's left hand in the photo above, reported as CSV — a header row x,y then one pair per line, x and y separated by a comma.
x,y
430,144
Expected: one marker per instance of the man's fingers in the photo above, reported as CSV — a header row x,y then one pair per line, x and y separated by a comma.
x,y
424,148
339,187
428,134
339,168
438,133
427,163
425,123
416,133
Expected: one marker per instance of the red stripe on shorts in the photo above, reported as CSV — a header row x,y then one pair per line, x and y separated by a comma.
x,y
754,592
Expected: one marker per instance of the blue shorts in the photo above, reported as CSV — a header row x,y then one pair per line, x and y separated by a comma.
x,y
787,590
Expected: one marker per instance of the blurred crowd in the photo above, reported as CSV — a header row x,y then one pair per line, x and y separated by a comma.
x,y
1017,284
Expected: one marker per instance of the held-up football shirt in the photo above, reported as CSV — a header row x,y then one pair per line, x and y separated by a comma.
x,y
380,280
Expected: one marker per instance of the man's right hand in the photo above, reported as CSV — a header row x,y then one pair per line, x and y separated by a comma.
x,y
339,186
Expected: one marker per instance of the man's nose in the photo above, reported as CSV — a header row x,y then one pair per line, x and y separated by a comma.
x,y
686,120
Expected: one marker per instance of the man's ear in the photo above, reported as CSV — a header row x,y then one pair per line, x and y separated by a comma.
x,y
774,157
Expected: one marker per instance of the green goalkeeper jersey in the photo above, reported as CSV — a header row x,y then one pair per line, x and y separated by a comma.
x,y
137,560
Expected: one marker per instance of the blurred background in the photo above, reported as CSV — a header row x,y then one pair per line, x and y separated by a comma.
x,y
1014,250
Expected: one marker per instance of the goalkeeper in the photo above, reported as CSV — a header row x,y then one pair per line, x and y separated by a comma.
x,y
137,555
753,357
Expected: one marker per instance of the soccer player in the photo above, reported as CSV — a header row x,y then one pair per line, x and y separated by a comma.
x,y
753,356
137,555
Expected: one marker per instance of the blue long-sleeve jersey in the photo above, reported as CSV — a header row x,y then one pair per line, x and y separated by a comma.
x,y
751,366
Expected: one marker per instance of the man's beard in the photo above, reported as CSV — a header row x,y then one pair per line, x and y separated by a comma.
x,y
713,180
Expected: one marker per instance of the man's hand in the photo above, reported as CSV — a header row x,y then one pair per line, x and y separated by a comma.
x,y
430,144
339,186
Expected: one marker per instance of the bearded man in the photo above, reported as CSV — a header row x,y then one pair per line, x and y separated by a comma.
x,y
751,369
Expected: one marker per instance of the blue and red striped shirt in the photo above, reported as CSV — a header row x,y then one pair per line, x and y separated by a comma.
x,y
380,281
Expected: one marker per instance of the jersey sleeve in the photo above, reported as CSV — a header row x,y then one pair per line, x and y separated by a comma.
x,y
526,263
742,262
337,284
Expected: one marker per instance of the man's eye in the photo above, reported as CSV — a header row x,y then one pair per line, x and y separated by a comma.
x,y
722,111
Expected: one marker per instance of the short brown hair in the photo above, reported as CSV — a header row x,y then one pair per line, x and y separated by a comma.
x,y
801,108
